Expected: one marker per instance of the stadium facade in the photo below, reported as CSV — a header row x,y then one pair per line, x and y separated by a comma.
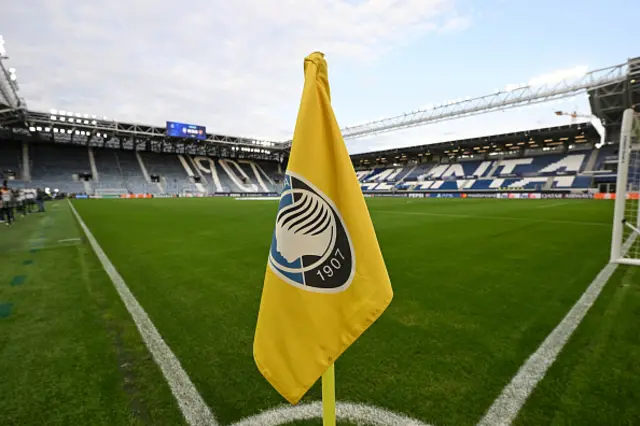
x,y
85,154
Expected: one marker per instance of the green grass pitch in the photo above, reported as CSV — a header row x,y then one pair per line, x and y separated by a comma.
x,y
478,286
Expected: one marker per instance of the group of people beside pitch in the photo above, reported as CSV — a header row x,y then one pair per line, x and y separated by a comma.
x,y
22,201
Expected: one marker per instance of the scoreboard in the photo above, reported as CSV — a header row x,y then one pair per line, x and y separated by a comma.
x,y
183,130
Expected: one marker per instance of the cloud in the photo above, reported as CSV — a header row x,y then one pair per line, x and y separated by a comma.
x,y
457,23
234,66
557,76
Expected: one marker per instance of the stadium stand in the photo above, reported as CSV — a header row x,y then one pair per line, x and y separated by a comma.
x,y
132,174
172,175
58,166
107,165
580,166
543,172
10,158
270,174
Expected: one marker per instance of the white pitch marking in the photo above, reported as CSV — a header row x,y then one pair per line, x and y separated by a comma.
x,y
193,407
546,206
257,199
569,222
69,239
506,407
345,411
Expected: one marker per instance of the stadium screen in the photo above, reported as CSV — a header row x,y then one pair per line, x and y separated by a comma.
x,y
182,130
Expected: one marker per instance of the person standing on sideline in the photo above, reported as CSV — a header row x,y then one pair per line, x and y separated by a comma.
x,y
40,200
5,198
20,201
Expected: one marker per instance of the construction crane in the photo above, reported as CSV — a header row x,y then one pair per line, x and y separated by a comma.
x,y
574,115
595,122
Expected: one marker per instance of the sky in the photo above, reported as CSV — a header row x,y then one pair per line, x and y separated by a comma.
x,y
237,66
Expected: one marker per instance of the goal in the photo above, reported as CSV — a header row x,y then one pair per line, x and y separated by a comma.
x,y
625,244
111,192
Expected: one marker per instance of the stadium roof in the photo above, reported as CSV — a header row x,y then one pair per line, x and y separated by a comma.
x,y
610,91
609,101
543,139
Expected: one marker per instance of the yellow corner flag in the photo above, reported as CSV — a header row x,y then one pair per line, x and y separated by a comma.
x,y
326,281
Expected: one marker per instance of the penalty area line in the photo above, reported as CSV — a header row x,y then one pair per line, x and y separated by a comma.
x,y
192,406
506,407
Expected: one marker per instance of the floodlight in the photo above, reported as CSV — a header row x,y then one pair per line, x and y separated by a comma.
x,y
86,121
53,117
93,116
32,129
55,130
12,77
78,114
86,116
12,70
94,122
46,129
69,114
63,119
53,111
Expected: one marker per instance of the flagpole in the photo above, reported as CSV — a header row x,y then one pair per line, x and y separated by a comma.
x,y
329,397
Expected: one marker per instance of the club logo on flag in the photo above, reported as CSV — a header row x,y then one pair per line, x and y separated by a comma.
x,y
311,248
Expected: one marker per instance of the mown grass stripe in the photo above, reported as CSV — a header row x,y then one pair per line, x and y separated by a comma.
x,y
18,280
5,310
506,407
193,407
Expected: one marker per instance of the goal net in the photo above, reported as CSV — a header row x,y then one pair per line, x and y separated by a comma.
x,y
111,192
625,242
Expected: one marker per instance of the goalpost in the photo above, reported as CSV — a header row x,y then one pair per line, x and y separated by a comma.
x,y
625,246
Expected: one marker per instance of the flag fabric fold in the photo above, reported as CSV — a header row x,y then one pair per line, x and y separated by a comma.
x,y
326,281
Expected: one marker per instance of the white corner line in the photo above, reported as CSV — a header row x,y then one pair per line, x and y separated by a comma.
x,y
194,409
506,407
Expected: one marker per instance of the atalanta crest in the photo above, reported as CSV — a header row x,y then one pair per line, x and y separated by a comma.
x,y
311,248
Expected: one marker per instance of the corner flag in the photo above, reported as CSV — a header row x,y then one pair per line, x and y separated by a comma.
x,y
326,281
